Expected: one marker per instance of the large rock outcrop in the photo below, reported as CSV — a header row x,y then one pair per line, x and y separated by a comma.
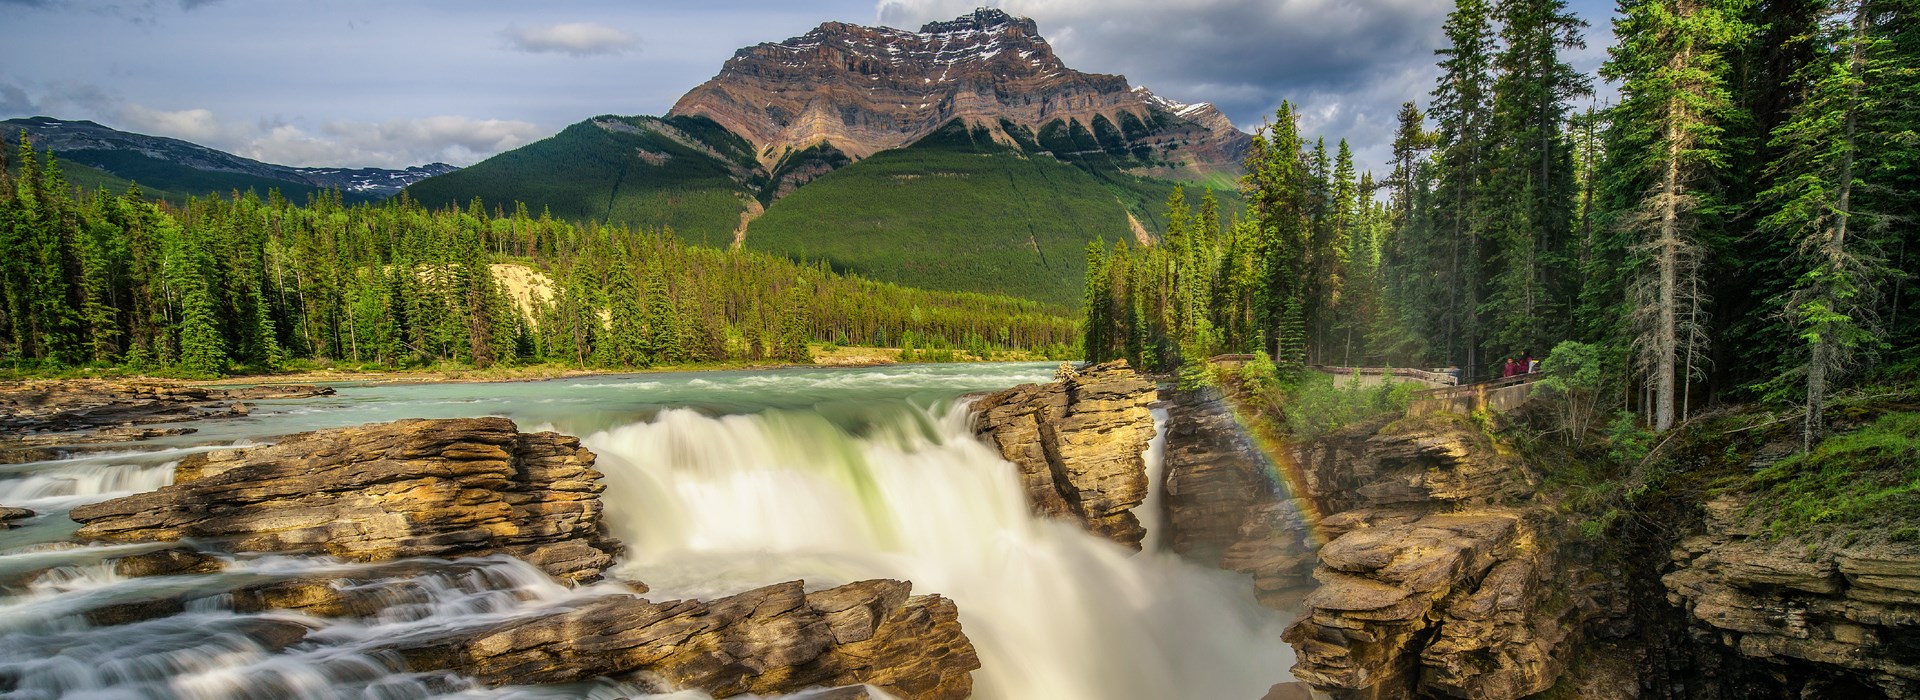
x,y
769,640
1843,621
411,488
1440,576
1079,445
861,90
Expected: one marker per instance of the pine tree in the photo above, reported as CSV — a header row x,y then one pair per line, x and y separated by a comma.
x,y
662,321
1531,220
625,344
1836,146
1462,110
1096,301
1675,99
1279,188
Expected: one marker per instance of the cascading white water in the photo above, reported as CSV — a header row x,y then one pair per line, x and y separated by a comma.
x,y
710,505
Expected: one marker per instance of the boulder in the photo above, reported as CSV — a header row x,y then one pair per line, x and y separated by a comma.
x,y
176,561
411,488
9,515
1079,445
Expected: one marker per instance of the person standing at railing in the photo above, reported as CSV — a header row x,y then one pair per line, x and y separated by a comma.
x,y
1511,369
1528,365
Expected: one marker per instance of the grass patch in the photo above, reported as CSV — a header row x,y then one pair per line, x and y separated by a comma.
x,y
1866,481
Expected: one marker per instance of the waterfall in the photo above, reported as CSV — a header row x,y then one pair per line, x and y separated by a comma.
x,y
830,476
713,505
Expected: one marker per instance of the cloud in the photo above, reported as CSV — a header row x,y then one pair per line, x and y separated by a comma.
x,y
146,12
575,39
394,143
14,100
196,125
1348,63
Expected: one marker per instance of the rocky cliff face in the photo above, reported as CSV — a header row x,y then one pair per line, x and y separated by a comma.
x,y
411,488
1836,622
412,493
866,89
1226,506
1440,576
1078,443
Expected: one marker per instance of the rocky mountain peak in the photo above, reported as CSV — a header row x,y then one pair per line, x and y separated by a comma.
x,y
985,19
864,89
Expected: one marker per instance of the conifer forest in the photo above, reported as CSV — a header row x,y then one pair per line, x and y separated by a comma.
x,y
1740,224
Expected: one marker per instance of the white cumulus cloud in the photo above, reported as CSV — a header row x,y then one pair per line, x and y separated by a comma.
x,y
574,39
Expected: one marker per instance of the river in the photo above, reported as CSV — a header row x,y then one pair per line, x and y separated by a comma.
x,y
718,482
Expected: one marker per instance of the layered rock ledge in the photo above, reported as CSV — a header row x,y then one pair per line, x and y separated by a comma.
x,y
1079,445
411,488
769,640
42,420
1846,618
1440,577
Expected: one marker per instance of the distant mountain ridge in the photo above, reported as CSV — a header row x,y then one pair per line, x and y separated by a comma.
x,y
169,165
862,90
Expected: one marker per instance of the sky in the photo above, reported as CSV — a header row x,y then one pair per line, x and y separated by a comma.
x,y
392,83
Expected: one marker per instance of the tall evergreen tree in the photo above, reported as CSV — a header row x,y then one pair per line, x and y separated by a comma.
x,y
1829,198
1462,110
1674,101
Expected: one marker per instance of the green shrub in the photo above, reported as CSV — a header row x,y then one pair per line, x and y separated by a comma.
x,y
1318,405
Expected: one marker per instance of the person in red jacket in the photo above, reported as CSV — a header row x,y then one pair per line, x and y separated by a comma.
x,y
1512,368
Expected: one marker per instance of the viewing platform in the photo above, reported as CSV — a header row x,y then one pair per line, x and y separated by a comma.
x,y
1504,394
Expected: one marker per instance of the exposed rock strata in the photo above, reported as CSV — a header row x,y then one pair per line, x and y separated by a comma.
x,y
1848,620
1078,443
411,488
42,420
1226,505
79,404
768,640
1441,578
861,90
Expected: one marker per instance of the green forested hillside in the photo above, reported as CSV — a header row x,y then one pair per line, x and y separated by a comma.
x,y
955,211
681,173
958,211
104,279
